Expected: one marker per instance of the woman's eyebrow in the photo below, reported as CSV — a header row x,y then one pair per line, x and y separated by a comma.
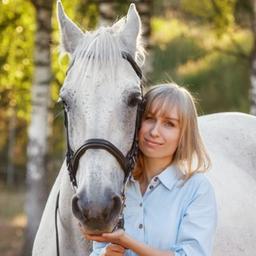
x,y
172,118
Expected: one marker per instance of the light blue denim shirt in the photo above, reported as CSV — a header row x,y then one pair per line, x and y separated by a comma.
x,y
172,215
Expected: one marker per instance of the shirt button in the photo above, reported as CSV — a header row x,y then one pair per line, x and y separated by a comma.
x,y
151,187
141,204
140,226
155,179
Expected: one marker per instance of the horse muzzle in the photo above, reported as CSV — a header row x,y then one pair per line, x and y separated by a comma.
x,y
100,215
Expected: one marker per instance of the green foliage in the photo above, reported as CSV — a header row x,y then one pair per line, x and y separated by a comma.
x,y
17,26
190,58
220,13
243,13
16,50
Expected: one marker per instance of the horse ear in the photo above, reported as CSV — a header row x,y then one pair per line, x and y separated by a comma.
x,y
132,29
117,26
70,32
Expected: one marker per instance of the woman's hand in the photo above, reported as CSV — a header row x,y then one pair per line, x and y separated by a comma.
x,y
116,237
114,250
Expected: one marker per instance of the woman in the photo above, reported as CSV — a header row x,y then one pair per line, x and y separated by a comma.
x,y
170,205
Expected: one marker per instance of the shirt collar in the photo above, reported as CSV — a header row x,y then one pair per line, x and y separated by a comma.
x,y
170,176
167,177
132,178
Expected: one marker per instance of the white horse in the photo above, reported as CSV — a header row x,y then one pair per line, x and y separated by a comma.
x,y
100,94
231,141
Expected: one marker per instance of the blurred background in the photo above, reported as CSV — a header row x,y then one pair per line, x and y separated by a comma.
x,y
205,45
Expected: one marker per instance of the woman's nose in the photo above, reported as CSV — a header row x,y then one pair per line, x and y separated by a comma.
x,y
154,131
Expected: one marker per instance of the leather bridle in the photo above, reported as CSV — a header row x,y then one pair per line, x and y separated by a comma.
x,y
127,162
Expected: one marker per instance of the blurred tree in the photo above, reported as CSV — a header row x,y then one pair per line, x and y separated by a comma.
x,y
11,145
224,14
109,10
145,9
15,82
87,14
252,14
38,128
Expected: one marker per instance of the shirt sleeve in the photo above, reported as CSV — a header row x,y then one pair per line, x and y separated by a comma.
x,y
98,248
198,225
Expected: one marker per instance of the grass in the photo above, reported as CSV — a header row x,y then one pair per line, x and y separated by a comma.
x,y
12,202
12,221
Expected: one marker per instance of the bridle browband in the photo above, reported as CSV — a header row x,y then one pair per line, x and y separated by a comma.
x,y
127,162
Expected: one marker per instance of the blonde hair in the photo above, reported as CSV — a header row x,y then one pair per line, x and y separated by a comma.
x,y
190,156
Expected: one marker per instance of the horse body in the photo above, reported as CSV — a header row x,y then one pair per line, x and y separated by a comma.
x,y
70,238
230,139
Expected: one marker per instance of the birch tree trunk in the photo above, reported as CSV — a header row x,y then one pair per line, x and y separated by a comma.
x,y
253,63
38,128
11,145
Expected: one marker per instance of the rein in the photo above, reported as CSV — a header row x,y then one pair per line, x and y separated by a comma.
x,y
127,162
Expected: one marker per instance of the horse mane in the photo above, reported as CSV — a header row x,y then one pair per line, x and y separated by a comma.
x,y
103,47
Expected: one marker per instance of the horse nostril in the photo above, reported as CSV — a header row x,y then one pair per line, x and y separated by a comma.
x,y
113,208
116,204
105,209
75,203
78,210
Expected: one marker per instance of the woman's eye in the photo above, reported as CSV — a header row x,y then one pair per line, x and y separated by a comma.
x,y
169,124
148,118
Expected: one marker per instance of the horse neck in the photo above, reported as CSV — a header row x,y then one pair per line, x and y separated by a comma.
x,y
70,236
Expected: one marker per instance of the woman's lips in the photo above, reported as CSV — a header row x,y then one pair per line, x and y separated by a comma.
x,y
152,143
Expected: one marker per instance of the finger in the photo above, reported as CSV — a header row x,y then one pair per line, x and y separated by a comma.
x,y
117,248
109,235
114,234
110,252
96,238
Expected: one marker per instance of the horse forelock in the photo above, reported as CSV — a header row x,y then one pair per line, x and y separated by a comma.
x,y
103,47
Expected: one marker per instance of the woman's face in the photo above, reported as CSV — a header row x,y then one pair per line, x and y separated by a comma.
x,y
159,134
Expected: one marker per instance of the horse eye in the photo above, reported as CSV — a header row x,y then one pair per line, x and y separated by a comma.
x,y
134,99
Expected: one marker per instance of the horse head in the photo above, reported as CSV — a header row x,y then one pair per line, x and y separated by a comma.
x,y
101,93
